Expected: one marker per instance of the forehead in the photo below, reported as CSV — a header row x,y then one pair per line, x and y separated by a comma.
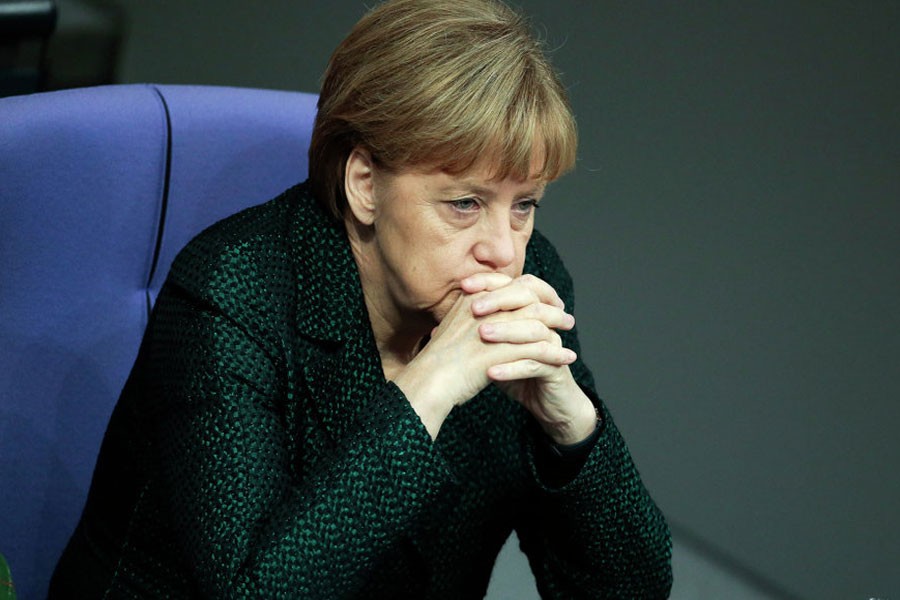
x,y
490,169
481,180
521,159
484,183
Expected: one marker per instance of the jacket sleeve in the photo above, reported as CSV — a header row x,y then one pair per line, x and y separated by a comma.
x,y
247,521
599,535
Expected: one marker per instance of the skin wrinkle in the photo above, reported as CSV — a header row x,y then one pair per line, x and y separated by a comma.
x,y
415,234
298,377
429,245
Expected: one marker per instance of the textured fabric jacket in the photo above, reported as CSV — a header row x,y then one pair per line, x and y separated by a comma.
x,y
257,450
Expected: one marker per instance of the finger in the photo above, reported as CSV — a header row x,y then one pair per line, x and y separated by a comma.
x,y
544,290
522,369
521,292
484,282
550,316
543,352
518,332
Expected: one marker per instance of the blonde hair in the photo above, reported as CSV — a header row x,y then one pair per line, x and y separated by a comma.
x,y
443,83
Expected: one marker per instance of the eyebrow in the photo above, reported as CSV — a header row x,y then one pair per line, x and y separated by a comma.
x,y
464,187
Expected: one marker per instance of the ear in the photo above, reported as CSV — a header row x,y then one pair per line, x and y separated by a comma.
x,y
359,188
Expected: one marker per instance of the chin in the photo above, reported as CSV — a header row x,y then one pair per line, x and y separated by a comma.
x,y
440,310
438,313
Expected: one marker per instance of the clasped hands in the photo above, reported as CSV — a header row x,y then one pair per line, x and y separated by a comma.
x,y
501,330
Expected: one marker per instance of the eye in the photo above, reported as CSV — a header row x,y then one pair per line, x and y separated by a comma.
x,y
464,205
525,207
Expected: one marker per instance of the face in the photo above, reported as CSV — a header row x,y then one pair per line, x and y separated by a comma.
x,y
429,230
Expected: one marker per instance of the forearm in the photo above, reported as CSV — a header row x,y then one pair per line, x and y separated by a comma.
x,y
600,534
265,499
427,398
322,533
574,423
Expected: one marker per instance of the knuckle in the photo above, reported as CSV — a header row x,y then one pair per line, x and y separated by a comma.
x,y
548,349
532,367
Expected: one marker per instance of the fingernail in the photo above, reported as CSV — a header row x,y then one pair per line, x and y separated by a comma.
x,y
572,357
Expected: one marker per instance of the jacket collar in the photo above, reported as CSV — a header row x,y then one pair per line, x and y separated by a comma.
x,y
330,304
343,368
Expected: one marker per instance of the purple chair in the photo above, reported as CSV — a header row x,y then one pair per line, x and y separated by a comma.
x,y
99,189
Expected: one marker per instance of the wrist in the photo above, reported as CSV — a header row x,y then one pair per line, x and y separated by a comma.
x,y
425,401
580,427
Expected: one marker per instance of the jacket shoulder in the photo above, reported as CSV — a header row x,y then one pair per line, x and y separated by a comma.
x,y
543,261
238,252
240,267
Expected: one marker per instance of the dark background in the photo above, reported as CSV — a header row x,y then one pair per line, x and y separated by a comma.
x,y
733,228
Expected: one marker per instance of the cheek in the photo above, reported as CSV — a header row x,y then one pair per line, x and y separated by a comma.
x,y
521,246
432,270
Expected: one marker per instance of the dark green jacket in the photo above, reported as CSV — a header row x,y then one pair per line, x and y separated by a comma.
x,y
257,450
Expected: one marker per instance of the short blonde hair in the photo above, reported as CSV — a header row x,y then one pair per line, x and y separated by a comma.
x,y
443,83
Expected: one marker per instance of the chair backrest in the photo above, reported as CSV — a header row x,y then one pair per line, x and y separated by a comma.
x,y
99,189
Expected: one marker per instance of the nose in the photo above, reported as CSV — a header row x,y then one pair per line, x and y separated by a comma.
x,y
496,246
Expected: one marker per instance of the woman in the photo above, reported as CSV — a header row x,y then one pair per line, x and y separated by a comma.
x,y
360,388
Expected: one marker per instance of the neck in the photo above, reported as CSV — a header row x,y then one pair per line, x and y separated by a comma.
x,y
399,334
398,338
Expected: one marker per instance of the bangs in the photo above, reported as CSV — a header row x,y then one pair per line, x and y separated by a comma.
x,y
512,116
528,146
447,85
